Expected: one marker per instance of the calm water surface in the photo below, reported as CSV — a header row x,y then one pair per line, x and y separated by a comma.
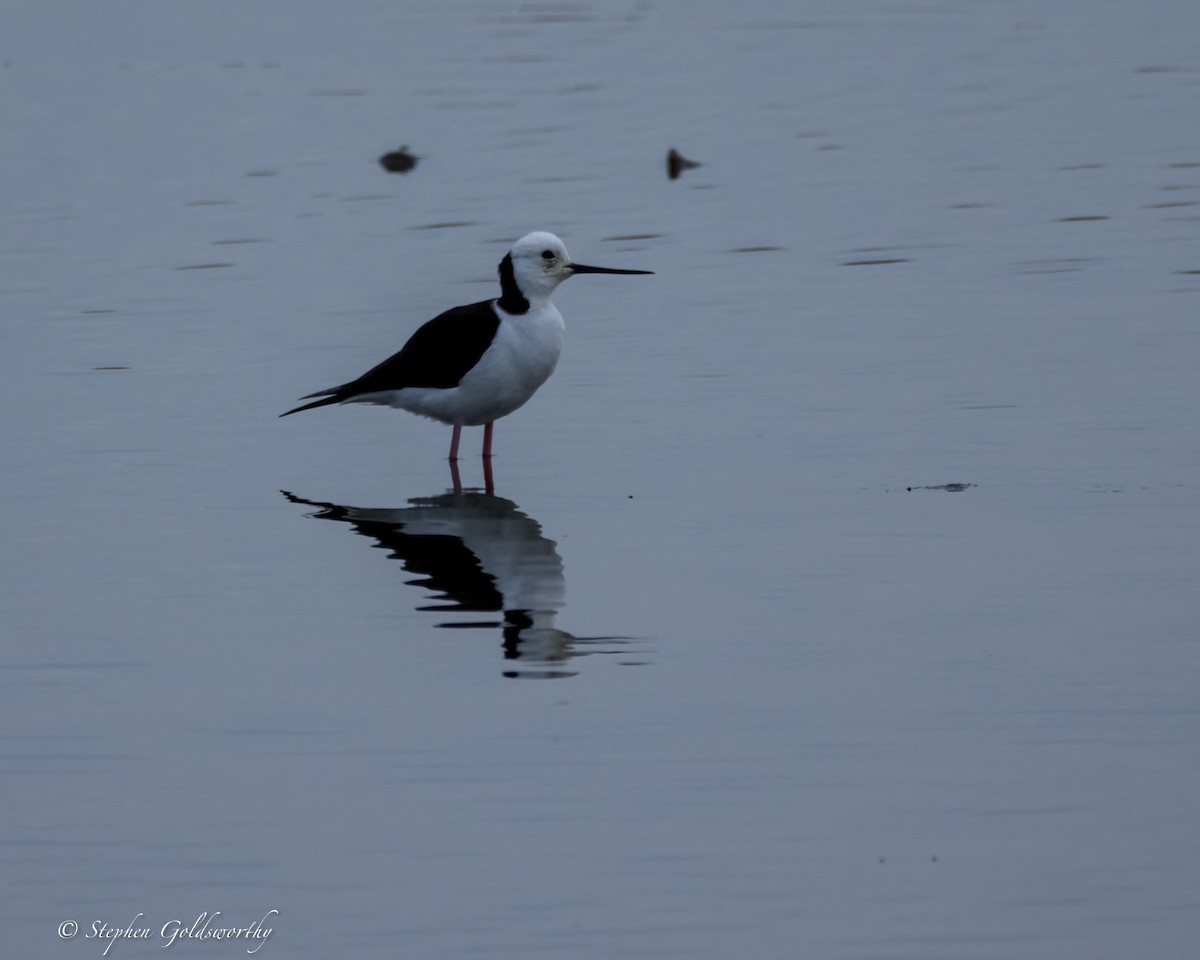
x,y
855,551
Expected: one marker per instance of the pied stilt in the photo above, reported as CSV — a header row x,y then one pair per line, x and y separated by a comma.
x,y
474,364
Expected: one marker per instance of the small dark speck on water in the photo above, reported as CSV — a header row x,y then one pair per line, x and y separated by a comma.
x,y
398,161
1081,219
875,263
677,163
946,487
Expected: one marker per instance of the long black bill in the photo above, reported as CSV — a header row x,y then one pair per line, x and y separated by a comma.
x,y
584,268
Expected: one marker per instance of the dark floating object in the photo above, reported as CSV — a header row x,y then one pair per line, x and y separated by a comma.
x,y
677,163
398,161
875,263
947,487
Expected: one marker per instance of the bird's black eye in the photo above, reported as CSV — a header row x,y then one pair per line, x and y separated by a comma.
x,y
547,254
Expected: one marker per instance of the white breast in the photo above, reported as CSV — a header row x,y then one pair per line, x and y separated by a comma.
x,y
520,359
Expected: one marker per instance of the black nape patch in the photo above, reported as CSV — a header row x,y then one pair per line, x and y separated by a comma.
x,y
512,300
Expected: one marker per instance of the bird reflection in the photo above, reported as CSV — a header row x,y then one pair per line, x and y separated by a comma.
x,y
478,553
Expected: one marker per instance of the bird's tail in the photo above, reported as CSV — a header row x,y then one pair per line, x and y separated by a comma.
x,y
327,397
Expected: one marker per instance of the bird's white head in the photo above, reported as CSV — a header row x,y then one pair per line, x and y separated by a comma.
x,y
540,262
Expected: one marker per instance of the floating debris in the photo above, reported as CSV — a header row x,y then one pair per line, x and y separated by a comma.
x,y
677,163
946,487
398,161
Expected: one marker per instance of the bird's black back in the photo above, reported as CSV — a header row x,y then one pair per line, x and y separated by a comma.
x,y
438,355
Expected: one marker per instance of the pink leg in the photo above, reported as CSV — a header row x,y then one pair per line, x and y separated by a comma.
x,y
455,479
487,440
454,443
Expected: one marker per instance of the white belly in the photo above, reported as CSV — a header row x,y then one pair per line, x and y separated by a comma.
x,y
520,359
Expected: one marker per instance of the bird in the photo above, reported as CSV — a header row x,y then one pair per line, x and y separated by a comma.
x,y
476,363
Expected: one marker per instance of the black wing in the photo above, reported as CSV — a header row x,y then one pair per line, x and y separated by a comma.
x,y
438,355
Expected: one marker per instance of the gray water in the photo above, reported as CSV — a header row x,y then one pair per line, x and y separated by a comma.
x,y
838,593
